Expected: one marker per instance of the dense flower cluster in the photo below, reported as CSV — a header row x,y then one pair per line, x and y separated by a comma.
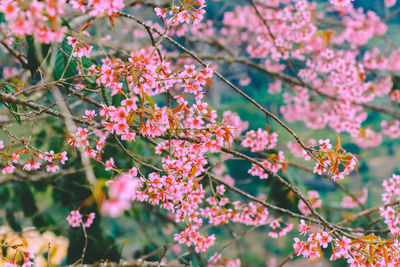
x,y
98,7
191,11
349,202
260,140
79,49
41,19
338,162
314,199
31,158
367,251
75,219
391,215
28,259
328,70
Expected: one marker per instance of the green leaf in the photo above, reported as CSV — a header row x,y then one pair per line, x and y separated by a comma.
x,y
4,195
33,62
150,100
12,221
105,95
117,99
32,57
6,87
65,23
28,203
43,220
65,63
14,108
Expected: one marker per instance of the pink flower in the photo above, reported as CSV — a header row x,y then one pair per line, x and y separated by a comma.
x,y
343,245
303,227
323,239
221,189
89,114
129,103
8,169
390,3
52,168
340,3
183,16
89,220
109,164
160,12
49,156
63,157
74,218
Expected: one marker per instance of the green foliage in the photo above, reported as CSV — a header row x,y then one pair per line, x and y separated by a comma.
x,y
65,66
104,94
34,52
12,221
28,202
12,107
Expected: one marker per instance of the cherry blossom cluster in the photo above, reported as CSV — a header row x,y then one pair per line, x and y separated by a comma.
x,y
298,151
360,26
91,143
391,215
392,129
98,7
190,11
222,210
145,73
338,75
28,258
314,199
147,76
32,159
42,19
79,49
232,119
340,3
75,219
177,190
274,163
365,251
338,163
279,228
260,140
291,29
349,202
317,239
122,191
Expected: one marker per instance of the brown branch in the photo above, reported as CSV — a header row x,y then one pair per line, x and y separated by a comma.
x,y
263,203
286,259
4,97
16,54
233,240
366,212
